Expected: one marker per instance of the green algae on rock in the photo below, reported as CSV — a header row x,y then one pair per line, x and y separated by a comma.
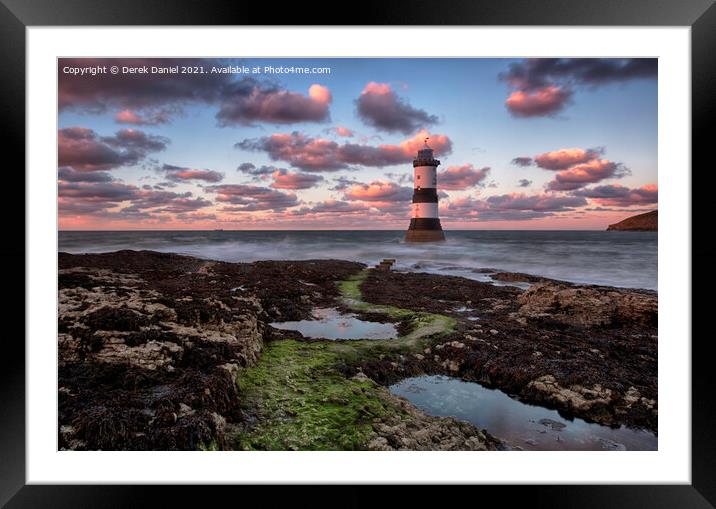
x,y
299,399
304,402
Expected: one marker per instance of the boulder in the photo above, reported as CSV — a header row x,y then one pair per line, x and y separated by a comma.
x,y
588,306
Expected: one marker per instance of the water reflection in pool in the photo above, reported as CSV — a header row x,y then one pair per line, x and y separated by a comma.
x,y
521,425
329,323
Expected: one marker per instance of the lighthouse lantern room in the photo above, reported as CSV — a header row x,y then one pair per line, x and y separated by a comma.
x,y
425,223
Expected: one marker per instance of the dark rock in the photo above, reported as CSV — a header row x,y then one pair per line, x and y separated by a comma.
x,y
114,319
516,277
588,306
552,424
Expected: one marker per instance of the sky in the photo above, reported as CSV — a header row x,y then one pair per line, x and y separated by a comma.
x,y
275,144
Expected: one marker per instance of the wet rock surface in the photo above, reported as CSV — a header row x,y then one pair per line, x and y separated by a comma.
x,y
517,277
588,306
436,293
587,351
150,343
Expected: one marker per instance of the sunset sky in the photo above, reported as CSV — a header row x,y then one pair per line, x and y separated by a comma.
x,y
524,144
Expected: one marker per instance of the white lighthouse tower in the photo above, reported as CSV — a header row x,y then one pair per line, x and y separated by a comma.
x,y
425,223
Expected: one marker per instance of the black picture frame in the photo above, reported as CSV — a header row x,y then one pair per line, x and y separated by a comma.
x,y
700,15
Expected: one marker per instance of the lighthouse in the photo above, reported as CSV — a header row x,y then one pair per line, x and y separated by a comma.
x,y
425,223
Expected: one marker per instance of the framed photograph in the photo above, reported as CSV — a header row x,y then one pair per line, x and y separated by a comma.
x,y
423,248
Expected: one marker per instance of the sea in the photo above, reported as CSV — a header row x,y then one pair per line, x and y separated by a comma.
x,y
622,259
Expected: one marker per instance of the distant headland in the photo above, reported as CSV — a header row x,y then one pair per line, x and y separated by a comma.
x,y
648,222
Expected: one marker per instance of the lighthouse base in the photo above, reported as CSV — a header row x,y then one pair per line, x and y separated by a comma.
x,y
424,230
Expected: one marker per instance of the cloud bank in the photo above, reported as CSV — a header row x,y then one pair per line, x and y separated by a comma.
x,y
83,150
154,98
462,177
318,154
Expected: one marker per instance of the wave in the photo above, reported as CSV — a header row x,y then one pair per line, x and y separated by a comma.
x,y
625,259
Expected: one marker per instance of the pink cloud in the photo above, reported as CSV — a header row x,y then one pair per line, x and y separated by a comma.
x,y
191,174
576,167
284,179
583,174
564,158
541,102
373,88
462,208
320,94
343,132
128,117
179,174
378,191
153,117
440,144
461,177
317,154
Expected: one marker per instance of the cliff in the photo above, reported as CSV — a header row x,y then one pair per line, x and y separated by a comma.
x,y
648,222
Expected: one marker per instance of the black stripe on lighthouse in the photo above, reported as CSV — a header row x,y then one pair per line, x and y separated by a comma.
x,y
427,195
425,223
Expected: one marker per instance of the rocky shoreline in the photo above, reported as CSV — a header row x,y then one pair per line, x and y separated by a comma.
x,y
587,351
162,351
